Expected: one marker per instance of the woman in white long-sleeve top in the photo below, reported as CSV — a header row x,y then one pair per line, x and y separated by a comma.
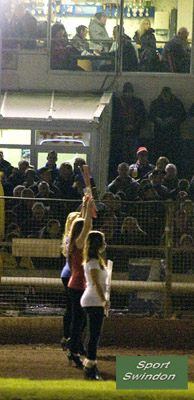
x,y
93,300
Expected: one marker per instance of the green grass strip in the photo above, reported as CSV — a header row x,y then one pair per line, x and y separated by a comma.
x,y
25,389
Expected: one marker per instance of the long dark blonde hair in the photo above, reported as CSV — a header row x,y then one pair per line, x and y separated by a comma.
x,y
93,246
76,229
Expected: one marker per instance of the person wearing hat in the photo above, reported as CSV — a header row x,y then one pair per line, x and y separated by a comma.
x,y
142,166
98,32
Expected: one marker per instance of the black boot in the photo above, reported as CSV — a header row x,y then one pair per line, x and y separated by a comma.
x,y
92,374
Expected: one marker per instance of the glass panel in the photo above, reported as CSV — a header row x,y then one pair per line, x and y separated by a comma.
x,y
24,25
15,155
62,157
82,36
15,136
62,138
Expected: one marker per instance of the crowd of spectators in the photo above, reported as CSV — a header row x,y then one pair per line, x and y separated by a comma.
x,y
131,212
20,29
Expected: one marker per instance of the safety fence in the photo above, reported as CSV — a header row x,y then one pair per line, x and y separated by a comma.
x,y
149,242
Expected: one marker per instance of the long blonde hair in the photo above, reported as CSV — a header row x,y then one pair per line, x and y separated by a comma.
x,y
70,218
141,29
93,246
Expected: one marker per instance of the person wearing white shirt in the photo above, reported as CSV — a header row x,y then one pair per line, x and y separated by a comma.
x,y
93,299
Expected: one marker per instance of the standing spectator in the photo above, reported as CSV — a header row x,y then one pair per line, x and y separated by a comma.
x,y
98,32
51,164
5,166
94,299
142,166
129,56
179,52
167,112
65,182
18,174
30,180
131,116
23,28
146,43
76,284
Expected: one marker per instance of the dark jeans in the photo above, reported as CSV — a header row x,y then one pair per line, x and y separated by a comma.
x,y
95,317
67,314
78,321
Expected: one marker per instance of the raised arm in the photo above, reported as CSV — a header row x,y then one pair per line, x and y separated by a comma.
x,y
87,224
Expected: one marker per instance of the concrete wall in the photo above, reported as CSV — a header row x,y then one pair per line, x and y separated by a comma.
x,y
33,74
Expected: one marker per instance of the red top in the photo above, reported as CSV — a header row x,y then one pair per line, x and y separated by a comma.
x,y
77,280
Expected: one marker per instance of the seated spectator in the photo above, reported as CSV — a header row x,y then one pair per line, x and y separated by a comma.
x,y
23,209
171,179
44,193
184,185
146,44
23,27
129,60
5,166
123,182
52,230
161,163
131,233
79,41
78,175
45,174
63,55
18,174
65,182
31,226
142,166
30,182
157,180
179,52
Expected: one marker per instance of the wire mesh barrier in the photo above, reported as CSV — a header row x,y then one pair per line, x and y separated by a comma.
x,y
149,242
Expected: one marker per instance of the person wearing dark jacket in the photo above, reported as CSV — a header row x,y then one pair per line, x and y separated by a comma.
x,y
131,116
124,183
180,52
129,56
23,28
146,44
167,112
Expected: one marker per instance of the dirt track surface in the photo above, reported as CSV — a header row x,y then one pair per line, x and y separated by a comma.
x,y
50,362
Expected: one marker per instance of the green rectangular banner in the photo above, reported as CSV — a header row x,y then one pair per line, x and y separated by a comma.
x,y
152,373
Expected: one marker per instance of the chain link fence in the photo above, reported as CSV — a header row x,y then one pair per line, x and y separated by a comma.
x,y
150,243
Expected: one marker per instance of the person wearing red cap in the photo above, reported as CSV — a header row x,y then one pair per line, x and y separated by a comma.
x,y
142,165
